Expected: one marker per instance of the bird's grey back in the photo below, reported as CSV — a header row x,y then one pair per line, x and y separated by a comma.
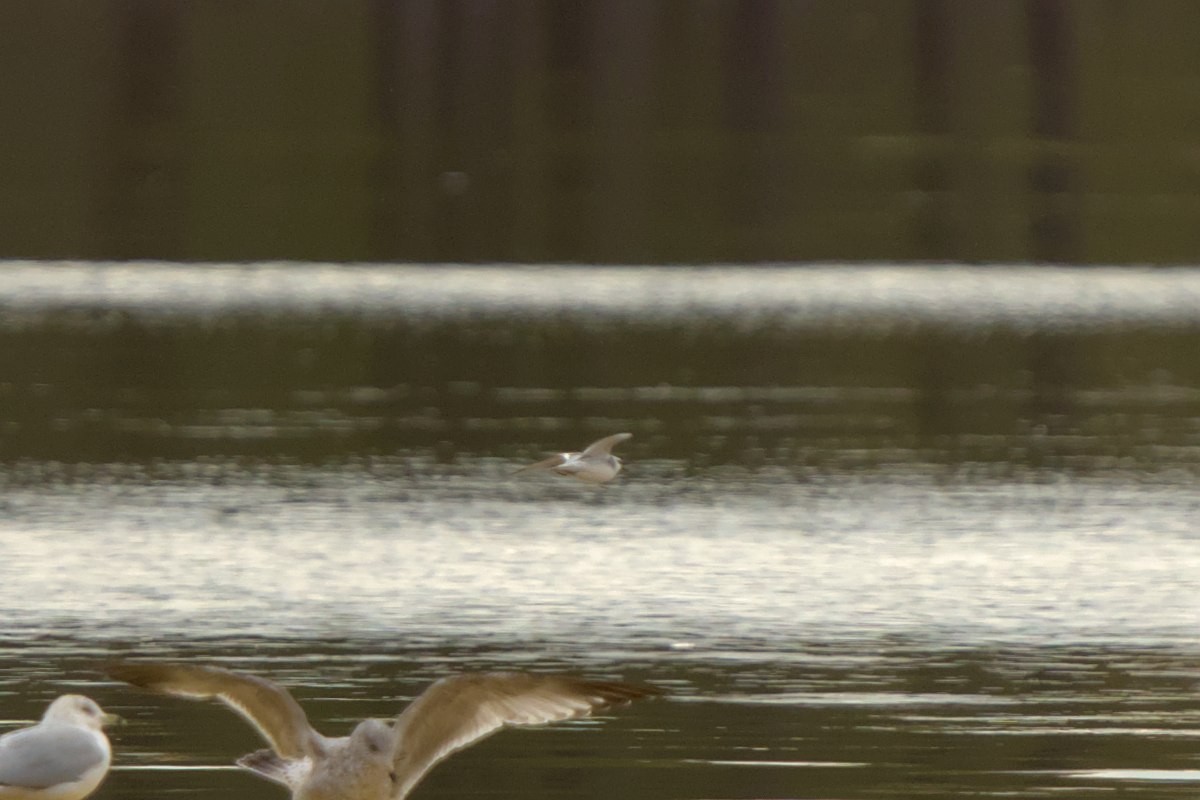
x,y
47,755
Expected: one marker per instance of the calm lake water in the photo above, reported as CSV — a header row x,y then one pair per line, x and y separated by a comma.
x,y
883,532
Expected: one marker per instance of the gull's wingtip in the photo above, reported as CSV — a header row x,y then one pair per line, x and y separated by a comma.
x,y
131,672
169,677
546,463
155,676
267,764
604,446
619,693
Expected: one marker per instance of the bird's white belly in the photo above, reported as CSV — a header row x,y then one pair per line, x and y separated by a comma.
x,y
590,471
75,790
346,780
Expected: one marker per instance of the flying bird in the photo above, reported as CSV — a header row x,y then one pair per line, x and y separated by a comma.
x,y
596,464
65,756
380,759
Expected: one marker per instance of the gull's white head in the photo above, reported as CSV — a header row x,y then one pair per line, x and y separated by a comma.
x,y
375,736
75,709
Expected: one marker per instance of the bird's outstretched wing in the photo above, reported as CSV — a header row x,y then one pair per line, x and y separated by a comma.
x,y
456,712
267,706
603,447
556,460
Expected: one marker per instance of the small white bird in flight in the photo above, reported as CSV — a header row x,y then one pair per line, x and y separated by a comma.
x,y
380,759
596,464
63,757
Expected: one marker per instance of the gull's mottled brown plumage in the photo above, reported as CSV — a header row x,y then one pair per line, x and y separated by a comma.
x,y
267,706
456,712
381,760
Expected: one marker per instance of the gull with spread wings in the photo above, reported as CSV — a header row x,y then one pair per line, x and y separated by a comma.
x,y
596,464
380,759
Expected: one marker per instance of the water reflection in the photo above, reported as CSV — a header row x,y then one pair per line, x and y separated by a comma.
x,y
878,717
597,131
908,533
806,370
674,562
891,637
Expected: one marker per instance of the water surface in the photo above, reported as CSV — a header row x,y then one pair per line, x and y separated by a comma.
x,y
883,532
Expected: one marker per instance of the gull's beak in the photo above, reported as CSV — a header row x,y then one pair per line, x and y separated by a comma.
x,y
111,720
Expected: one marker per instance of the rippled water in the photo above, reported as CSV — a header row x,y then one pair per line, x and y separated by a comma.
x,y
1032,296
662,559
943,558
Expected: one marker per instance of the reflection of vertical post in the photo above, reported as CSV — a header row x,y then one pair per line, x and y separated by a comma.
x,y
443,122
472,216
407,42
931,69
567,35
528,237
140,205
385,194
1050,411
623,94
1054,228
756,111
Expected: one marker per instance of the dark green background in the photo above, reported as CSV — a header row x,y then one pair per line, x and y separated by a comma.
x,y
632,131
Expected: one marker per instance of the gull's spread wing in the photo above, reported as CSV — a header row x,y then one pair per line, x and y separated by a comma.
x,y
603,447
556,460
267,706
456,712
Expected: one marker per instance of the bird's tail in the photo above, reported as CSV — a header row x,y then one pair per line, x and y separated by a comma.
x,y
267,764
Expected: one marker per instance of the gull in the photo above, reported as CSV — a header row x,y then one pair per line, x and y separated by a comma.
x,y
596,464
63,757
380,759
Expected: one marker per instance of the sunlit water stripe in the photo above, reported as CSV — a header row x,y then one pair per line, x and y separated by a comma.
x,y
1036,296
760,764
1147,775
712,567
1067,728
872,699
